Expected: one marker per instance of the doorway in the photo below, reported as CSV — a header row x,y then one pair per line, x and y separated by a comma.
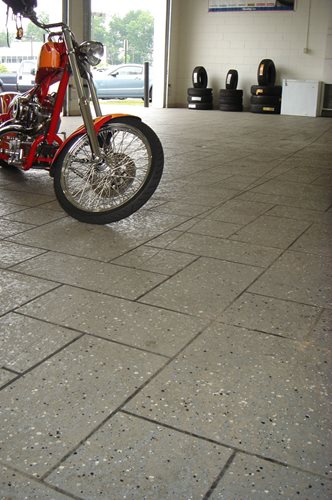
x,y
133,32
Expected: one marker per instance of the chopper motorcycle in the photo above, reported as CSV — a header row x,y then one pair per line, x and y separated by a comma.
x,y
106,169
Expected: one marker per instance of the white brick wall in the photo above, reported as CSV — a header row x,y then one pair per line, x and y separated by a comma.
x,y
327,76
240,40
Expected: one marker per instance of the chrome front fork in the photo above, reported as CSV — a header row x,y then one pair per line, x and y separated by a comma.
x,y
82,99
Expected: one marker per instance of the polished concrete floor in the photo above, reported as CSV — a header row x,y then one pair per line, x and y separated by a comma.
x,y
182,353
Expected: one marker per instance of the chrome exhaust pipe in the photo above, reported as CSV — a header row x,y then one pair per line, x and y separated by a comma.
x,y
16,127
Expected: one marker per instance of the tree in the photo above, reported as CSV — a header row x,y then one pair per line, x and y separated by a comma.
x,y
33,32
3,38
114,40
98,27
139,33
136,27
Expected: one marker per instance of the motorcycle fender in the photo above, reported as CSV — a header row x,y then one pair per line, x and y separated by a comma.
x,y
97,123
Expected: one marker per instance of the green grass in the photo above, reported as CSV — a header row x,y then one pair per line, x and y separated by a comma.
x,y
124,102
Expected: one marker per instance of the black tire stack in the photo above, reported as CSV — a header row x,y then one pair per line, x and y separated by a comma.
x,y
199,96
230,99
266,96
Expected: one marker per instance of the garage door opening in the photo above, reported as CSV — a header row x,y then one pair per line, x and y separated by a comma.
x,y
133,32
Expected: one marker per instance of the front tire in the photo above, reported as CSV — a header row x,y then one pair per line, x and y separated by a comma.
x,y
120,183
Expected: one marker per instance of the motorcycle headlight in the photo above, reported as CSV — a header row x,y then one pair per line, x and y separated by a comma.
x,y
92,51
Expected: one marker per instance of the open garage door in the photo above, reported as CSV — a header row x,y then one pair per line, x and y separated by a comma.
x,y
133,32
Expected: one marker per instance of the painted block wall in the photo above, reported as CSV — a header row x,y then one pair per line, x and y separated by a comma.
x,y
240,40
327,76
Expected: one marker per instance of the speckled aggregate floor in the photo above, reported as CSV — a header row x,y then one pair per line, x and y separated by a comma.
x,y
182,353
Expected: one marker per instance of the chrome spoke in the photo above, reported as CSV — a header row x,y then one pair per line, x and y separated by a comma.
x,y
126,163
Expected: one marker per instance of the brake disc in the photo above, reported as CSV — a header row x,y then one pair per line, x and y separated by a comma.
x,y
115,179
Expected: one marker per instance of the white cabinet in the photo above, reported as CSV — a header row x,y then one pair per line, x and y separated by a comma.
x,y
301,97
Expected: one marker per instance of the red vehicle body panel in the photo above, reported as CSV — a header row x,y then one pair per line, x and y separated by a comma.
x,y
51,70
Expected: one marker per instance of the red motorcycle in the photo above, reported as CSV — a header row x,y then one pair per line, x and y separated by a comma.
x,y
110,166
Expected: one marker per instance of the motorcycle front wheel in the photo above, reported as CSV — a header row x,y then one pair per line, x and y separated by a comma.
x,y
116,185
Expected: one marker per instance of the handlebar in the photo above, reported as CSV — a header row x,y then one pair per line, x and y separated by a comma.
x,y
36,22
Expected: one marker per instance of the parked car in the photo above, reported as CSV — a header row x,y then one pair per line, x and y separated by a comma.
x,y
121,82
21,81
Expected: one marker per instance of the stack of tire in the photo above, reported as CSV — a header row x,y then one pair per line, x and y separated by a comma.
x,y
199,96
230,99
266,96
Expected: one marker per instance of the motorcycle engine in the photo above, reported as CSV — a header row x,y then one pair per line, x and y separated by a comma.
x,y
29,112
